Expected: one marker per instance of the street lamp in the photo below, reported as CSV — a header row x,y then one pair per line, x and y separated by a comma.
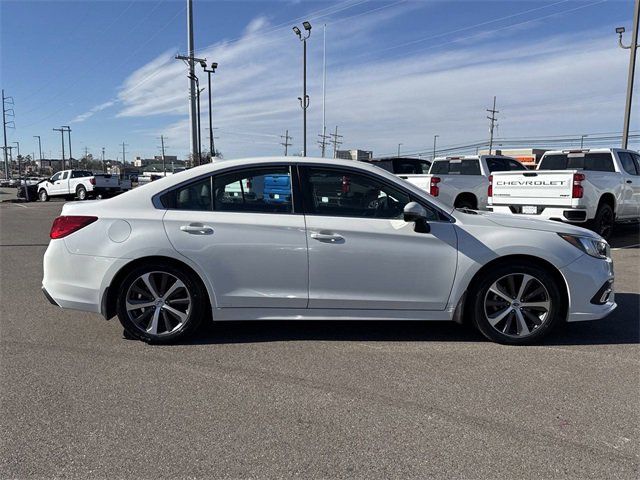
x,y
304,100
582,137
39,148
632,47
399,145
214,65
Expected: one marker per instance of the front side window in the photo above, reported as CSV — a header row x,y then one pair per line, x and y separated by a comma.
x,y
627,163
262,190
56,177
65,175
344,193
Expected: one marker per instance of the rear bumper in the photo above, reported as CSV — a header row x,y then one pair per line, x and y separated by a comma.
x,y
570,215
76,281
585,279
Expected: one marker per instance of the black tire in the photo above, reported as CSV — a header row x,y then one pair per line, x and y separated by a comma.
x,y
465,202
197,309
43,196
604,221
507,330
81,193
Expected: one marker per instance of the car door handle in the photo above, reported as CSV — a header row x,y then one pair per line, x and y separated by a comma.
x,y
629,181
327,237
197,229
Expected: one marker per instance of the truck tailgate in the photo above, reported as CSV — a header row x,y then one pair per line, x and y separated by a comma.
x,y
108,181
541,187
419,180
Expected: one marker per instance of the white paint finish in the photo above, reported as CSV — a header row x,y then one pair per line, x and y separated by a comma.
x,y
380,264
119,231
251,259
256,266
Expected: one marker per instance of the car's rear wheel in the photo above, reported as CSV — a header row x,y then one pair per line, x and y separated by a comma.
x,y
43,196
160,303
517,304
81,193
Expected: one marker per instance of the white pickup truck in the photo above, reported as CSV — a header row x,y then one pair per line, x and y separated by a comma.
x,y
463,182
596,187
80,184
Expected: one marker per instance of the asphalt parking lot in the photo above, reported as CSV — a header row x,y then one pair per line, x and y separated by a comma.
x,y
313,400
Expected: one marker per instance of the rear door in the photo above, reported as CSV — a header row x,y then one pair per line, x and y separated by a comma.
x,y
252,248
363,255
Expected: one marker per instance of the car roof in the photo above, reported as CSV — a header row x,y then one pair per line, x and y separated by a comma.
x,y
587,150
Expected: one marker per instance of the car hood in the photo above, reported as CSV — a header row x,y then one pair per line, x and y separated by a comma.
x,y
517,221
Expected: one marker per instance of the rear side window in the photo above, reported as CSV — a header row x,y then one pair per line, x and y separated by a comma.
x,y
264,190
384,164
194,196
81,174
455,167
410,167
497,165
595,162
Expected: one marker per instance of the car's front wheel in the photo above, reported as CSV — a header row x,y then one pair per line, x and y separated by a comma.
x,y
43,196
517,304
160,303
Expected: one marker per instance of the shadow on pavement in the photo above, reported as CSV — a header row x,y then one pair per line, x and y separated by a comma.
x,y
626,236
621,327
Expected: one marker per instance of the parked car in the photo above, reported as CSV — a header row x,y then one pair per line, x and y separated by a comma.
x,y
463,181
593,187
81,184
171,254
402,166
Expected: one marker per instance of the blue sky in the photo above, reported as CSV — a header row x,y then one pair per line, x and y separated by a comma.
x,y
398,71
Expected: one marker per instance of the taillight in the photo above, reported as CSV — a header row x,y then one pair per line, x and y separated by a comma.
x,y
490,189
577,191
434,190
66,225
92,180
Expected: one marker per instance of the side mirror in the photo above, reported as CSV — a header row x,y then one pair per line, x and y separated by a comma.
x,y
416,213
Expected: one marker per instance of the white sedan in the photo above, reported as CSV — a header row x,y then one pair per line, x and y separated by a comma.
x,y
317,239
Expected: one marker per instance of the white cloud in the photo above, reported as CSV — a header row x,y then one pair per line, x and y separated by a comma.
x,y
90,113
553,85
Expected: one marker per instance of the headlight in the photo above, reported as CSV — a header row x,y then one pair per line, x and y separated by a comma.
x,y
595,247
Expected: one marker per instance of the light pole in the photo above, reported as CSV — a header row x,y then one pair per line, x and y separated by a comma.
x,y
39,148
61,130
214,65
17,144
399,145
582,137
69,135
304,100
198,148
632,47
435,139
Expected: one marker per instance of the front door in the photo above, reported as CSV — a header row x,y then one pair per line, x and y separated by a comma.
x,y
251,246
363,255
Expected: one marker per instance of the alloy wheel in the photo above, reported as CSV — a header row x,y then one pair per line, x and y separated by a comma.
x,y
517,305
158,303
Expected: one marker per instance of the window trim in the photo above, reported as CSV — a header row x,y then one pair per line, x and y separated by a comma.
x,y
304,179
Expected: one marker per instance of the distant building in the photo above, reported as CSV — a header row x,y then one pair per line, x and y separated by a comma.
x,y
361,155
529,157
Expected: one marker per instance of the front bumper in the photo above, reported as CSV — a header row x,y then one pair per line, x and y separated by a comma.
x,y
585,278
76,281
572,215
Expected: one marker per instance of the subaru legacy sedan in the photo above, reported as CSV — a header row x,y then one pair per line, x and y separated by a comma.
x,y
339,240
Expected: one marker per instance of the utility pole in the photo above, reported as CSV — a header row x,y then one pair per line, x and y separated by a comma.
x,y
323,140
6,101
164,166
39,148
582,137
104,167
493,119
286,143
336,142
124,162
435,139
632,47
17,144
304,100
61,130
190,61
69,135
214,65
324,88
399,145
